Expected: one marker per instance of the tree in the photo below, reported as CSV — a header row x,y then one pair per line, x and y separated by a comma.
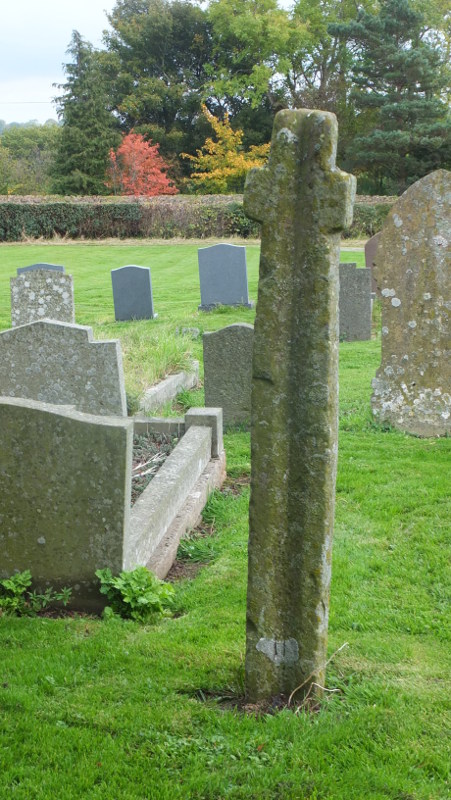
x,y
89,128
397,80
157,53
137,168
31,148
221,166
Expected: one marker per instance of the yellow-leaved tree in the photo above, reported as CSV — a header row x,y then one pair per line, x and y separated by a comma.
x,y
220,166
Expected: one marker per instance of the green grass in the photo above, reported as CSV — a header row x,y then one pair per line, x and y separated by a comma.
x,y
150,348
92,709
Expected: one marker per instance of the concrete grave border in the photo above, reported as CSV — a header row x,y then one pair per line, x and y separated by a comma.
x,y
156,396
172,503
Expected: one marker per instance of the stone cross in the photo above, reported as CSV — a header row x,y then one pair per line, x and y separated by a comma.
x,y
303,202
412,388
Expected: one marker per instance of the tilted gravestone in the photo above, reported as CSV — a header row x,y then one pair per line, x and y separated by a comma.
x,y
34,267
412,388
228,371
54,362
303,202
370,258
132,293
354,303
65,485
42,294
223,276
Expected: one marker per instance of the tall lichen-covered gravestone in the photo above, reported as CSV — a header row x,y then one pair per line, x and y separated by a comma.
x,y
303,202
412,388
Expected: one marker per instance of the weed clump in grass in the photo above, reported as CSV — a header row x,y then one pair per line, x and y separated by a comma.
x,y
16,599
137,595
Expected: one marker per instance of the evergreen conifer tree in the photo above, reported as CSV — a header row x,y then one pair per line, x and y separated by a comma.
x,y
89,128
397,80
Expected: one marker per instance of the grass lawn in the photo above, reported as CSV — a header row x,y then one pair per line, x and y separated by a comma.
x,y
93,709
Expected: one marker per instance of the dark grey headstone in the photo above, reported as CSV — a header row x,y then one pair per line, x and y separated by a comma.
x,y
354,303
228,371
132,293
223,276
32,267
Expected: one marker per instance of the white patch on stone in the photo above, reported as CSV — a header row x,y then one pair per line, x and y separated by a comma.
x,y
440,241
396,302
288,135
279,652
388,292
397,220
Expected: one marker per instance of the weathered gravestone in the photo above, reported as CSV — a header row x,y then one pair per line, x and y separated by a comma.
x,y
54,362
412,388
42,294
228,371
223,276
44,265
65,485
354,303
132,293
370,257
303,202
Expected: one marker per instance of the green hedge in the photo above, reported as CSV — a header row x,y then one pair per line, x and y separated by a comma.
x,y
162,217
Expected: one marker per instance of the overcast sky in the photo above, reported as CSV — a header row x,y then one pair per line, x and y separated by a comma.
x,y
34,36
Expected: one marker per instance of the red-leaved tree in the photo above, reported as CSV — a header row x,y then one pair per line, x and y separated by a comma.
x,y
136,167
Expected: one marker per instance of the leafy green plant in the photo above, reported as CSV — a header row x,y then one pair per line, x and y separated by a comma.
x,y
17,599
137,594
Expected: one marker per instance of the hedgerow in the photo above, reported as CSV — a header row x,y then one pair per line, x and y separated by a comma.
x,y
159,217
